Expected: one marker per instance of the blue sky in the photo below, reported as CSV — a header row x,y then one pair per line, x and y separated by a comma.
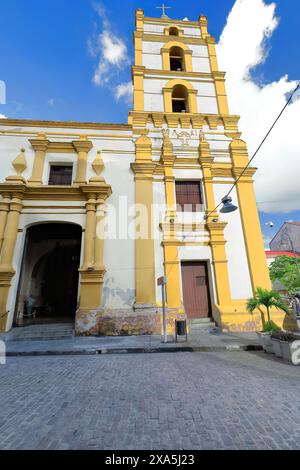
x,y
48,69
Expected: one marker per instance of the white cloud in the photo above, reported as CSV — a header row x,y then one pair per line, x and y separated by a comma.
x,y
125,91
51,102
242,47
2,116
109,49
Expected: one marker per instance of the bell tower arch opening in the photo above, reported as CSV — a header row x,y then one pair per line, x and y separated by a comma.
x,y
173,31
48,285
177,59
180,99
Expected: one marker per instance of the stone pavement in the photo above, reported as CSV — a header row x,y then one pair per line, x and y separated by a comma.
x,y
215,400
202,340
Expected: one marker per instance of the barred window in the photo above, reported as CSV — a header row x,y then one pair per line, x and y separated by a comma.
x,y
60,175
188,196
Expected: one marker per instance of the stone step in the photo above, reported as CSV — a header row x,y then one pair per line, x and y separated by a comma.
x,y
42,338
42,332
201,324
200,321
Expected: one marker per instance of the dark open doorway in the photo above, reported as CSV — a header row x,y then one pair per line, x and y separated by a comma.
x,y
48,284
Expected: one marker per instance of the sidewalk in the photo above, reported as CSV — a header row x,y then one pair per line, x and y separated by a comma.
x,y
211,340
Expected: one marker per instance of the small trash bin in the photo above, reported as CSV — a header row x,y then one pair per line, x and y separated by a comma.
x,y
180,328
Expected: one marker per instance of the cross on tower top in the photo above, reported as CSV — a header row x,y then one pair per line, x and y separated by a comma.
x,y
164,8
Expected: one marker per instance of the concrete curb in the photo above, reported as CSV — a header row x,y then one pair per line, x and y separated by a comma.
x,y
174,349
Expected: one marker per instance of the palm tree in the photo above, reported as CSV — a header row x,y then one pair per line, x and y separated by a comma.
x,y
268,299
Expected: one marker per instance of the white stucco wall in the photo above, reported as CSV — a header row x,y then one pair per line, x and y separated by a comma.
x,y
154,102
150,47
60,159
207,105
152,61
153,97
117,154
119,257
152,56
191,32
240,284
154,28
10,148
158,29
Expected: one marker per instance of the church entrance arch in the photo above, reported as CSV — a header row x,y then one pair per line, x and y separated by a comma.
x,y
48,286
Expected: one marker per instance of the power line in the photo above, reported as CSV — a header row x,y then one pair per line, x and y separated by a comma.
x,y
235,183
258,148
247,166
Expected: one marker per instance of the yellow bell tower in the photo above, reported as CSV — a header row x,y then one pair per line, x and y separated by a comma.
x,y
179,90
177,53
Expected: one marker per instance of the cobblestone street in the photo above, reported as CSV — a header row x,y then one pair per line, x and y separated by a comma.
x,y
237,400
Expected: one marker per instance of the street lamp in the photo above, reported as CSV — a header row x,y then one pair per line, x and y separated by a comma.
x,y
227,205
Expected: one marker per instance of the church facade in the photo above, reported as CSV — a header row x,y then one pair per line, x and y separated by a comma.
x,y
91,215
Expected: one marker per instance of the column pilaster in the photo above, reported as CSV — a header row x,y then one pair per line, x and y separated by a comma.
x,y
99,238
7,271
143,169
40,146
211,41
92,270
203,26
219,79
90,227
216,229
205,160
217,243
4,209
82,147
138,48
170,246
138,87
258,268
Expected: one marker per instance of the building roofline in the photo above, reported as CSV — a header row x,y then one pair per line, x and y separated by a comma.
x,y
277,233
63,124
282,253
284,223
149,19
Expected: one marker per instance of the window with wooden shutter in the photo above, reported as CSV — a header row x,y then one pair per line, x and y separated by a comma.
x,y
60,175
188,196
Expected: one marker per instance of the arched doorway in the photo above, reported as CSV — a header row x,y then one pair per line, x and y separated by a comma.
x,y
48,286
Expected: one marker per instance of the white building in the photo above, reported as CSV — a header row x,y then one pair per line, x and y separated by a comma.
x,y
65,184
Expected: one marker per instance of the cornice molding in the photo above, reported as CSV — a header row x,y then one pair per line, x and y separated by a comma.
x,y
140,118
170,21
40,145
143,168
182,39
63,124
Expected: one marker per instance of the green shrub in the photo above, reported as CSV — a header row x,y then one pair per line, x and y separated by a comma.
x,y
270,326
283,336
